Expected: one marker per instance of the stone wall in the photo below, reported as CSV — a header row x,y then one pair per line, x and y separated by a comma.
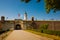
x,y
7,25
53,25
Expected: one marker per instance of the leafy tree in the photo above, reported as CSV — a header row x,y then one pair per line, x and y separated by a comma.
x,y
52,5
49,4
38,0
27,1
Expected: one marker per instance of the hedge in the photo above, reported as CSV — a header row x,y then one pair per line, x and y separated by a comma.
x,y
4,31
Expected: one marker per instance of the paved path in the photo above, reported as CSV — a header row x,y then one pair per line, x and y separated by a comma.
x,y
23,35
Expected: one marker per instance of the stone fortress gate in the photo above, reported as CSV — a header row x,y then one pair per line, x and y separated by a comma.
x,y
23,24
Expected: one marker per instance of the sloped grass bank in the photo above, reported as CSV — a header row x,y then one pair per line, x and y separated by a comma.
x,y
43,34
56,33
5,34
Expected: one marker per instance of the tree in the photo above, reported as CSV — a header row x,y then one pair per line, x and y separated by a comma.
x,y
52,5
49,4
27,1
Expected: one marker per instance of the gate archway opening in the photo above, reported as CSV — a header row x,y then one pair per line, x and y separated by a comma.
x,y
18,27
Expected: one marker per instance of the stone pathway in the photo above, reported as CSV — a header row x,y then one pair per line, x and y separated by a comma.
x,y
23,35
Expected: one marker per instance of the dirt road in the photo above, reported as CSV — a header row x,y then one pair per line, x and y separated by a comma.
x,y
23,35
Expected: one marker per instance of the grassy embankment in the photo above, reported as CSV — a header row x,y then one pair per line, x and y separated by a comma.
x,y
46,35
5,34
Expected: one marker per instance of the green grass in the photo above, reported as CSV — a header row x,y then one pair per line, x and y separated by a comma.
x,y
46,35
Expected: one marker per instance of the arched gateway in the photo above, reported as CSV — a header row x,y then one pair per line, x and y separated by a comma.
x,y
17,27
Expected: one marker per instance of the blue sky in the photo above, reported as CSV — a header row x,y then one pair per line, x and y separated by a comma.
x,y
11,9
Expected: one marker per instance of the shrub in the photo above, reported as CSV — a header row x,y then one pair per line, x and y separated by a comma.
x,y
44,26
4,31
